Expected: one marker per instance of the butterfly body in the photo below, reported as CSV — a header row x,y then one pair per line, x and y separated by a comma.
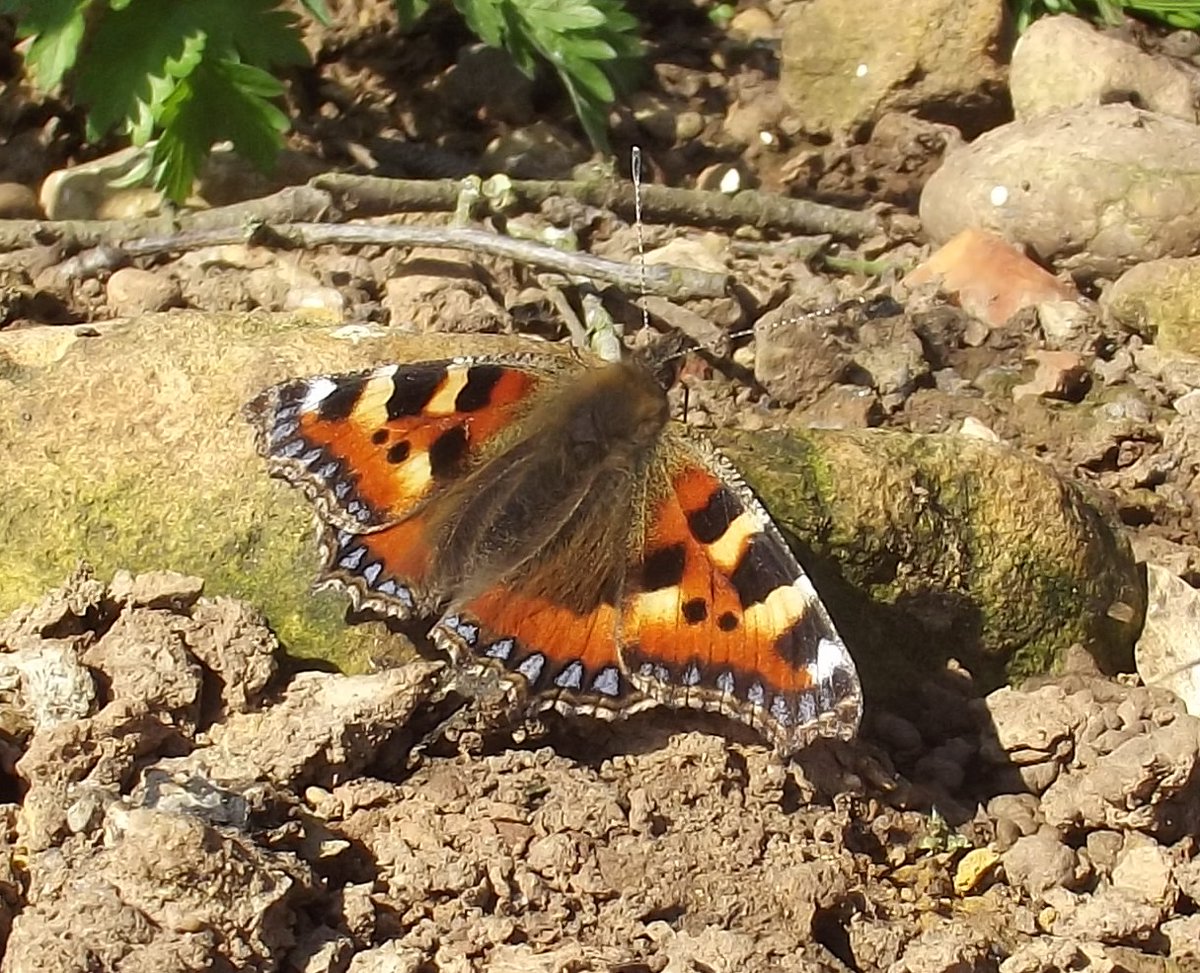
x,y
564,532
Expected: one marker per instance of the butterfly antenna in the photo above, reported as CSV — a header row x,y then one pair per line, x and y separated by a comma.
x,y
635,171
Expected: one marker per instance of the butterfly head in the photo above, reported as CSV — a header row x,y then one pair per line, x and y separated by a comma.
x,y
617,411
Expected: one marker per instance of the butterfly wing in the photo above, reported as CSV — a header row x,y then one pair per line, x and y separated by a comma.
x,y
718,615
550,623
371,449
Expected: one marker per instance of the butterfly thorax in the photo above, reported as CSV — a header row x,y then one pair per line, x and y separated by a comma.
x,y
534,502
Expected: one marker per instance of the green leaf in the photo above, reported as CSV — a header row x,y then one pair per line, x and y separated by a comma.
x,y
487,18
560,18
133,61
257,30
221,99
56,27
590,79
136,55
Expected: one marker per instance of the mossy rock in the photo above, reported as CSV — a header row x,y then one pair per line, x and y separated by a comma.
x,y
927,547
125,445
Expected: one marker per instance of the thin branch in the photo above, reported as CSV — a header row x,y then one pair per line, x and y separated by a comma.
x,y
372,195
679,283
285,206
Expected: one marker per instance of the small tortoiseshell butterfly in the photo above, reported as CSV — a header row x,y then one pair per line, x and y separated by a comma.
x,y
557,524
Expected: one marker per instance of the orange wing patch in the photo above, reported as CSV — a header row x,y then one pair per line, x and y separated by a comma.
x,y
369,447
568,660
383,570
718,615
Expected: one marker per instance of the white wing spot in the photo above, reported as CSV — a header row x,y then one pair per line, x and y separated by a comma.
x,y
352,559
532,667
571,677
500,650
607,681
319,389
831,656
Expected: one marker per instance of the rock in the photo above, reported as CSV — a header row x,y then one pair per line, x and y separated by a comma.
x,y
164,888
843,407
1183,937
1090,190
1103,848
1032,730
210,503
753,24
1050,955
388,958
948,948
918,607
890,358
1167,652
536,151
441,302
156,589
1107,915
483,78
131,291
1143,871
1016,815
797,358
657,114
1142,784
18,202
1158,300
96,753
989,277
325,728
1041,861
232,641
327,299
43,683
1064,324
1059,375
95,189
143,658
976,871
270,844
840,70
1063,62
974,429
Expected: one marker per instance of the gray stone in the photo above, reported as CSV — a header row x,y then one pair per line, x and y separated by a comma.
x,y
1094,190
1040,861
1063,62
840,69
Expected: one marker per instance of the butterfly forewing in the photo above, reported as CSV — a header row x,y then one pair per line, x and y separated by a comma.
x,y
372,448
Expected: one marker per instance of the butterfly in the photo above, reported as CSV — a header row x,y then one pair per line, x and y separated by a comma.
x,y
562,529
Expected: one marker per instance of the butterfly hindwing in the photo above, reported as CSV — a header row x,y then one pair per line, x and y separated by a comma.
x,y
555,656
717,614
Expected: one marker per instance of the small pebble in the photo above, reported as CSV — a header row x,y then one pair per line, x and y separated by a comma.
x,y
18,202
133,291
